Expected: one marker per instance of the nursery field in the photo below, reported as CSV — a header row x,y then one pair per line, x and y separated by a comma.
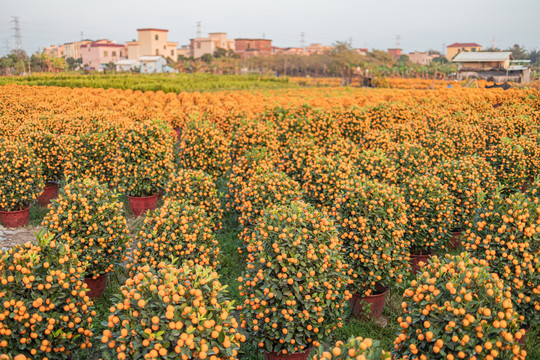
x,y
271,223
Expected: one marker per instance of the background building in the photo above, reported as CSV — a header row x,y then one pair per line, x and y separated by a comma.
x,y
455,48
73,49
55,50
201,46
421,58
247,48
318,49
491,66
152,42
97,54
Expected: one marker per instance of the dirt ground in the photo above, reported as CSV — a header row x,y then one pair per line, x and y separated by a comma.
x,y
10,237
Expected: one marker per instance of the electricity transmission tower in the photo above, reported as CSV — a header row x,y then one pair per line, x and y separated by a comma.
x,y
199,33
16,33
302,41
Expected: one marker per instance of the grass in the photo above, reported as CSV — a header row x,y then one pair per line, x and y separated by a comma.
x,y
155,82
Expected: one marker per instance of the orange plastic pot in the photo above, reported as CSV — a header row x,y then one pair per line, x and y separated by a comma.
x,y
15,219
294,356
49,192
376,301
97,286
140,205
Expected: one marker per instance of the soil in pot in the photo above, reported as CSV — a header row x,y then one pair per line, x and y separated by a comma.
x,y
140,205
97,286
358,302
50,192
293,356
15,219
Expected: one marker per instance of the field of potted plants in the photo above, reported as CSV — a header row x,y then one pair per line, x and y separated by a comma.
x,y
277,225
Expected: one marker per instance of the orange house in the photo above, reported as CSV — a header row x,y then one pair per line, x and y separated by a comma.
x,y
455,48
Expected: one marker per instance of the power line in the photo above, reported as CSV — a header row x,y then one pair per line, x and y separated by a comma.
x,y
16,32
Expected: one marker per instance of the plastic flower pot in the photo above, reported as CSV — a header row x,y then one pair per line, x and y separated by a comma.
x,y
357,303
293,356
49,192
15,219
97,286
178,132
140,205
455,241
416,259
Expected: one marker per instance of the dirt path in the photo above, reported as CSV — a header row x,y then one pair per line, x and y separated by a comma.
x,y
10,237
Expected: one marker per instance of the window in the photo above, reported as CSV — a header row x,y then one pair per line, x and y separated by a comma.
x,y
156,37
198,45
120,54
473,49
172,52
157,51
105,53
268,46
164,47
114,53
249,45
463,49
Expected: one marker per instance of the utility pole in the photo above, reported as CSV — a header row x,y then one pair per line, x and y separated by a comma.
x,y
199,33
398,41
302,41
494,43
82,36
16,33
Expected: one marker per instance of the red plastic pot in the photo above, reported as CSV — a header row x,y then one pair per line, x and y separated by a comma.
x,y
15,219
294,356
455,241
140,205
50,192
97,286
376,301
178,131
416,259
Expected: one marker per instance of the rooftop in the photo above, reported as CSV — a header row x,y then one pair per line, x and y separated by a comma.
x,y
150,58
482,56
152,29
460,45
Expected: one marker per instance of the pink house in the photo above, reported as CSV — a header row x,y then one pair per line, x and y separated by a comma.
x,y
99,53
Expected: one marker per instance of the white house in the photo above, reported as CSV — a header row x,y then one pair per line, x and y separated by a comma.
x,y
154,64
126,65
146,65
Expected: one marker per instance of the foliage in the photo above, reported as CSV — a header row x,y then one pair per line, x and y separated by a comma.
x,y
144,160
294,285
46,312
88,217
372,218
456,309
178,231
203,146
506,236
172,313
197,188
430,210
21,176
354,349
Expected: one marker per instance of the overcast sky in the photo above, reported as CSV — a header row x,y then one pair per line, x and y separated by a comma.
x,y
376,24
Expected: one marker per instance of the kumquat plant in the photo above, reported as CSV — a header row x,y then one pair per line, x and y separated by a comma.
x,y
353,349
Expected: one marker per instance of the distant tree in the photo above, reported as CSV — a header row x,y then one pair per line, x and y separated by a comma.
x,y
534,56
403,59
519,52
207,58
441,60
220,52
73,64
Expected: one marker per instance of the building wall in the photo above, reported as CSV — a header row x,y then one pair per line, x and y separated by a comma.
x,y
453,51
74,49
253,47
484,65
201,46
133,50
94,55
152,42
420,58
